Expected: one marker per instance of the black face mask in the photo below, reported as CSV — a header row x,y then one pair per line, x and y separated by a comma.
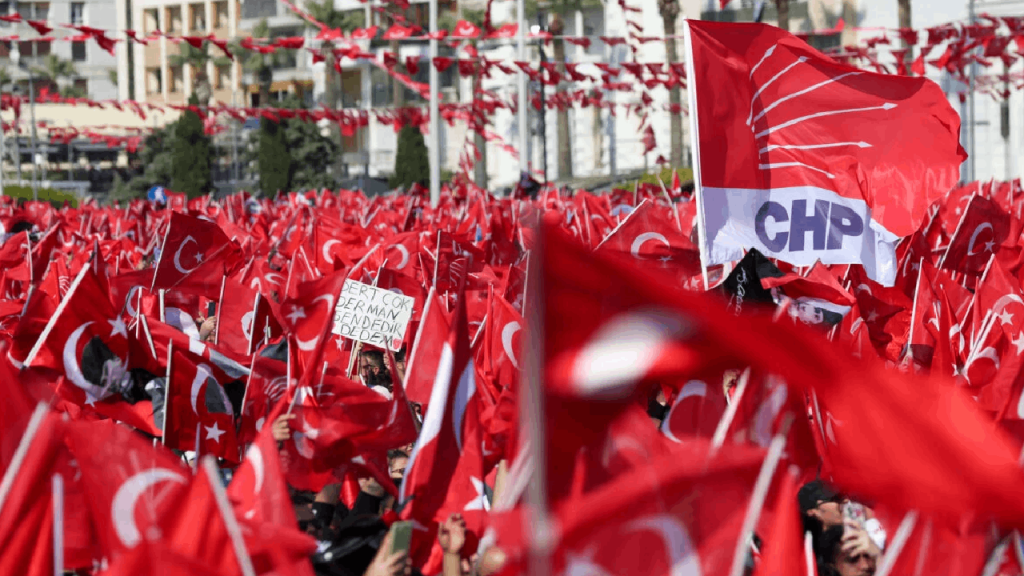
x,y
323,513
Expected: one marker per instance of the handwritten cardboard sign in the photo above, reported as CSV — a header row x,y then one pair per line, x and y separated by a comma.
x,y
372,315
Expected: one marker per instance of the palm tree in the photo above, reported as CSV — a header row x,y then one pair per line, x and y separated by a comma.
x,y
669,10
346,21
53,71
197,58
905,23
559,9
782,7
261,65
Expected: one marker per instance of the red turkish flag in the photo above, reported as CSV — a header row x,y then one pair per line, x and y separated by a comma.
x,y
465,29
797,133
364,33
425,355
199,405
131,484
191,245
396,32
443,435
983,229
309,317
26,520
651,238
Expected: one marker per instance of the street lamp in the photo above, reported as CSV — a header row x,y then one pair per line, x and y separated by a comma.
x,y
16,59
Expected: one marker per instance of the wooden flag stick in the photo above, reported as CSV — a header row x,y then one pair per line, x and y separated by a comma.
x,y
22,451
230,522
57,487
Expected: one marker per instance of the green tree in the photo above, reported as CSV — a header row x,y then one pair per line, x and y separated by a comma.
x,y
197,58
55,72
155,159
312,154
411,162
190,155
275,160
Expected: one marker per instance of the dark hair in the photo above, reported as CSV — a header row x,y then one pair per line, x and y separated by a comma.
x,y
826,546
20,226
376,357
400,355
396,453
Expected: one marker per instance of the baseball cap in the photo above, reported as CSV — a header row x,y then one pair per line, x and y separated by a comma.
x,y
814,493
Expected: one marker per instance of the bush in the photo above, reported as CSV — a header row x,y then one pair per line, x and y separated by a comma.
x,y
55,197
190,156
685,175
411,162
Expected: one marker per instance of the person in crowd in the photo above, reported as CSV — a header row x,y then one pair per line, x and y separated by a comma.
x,y
821,508
846,550
373,371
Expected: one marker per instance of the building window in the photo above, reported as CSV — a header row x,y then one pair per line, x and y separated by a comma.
x,y
154,81
5,9
82,86
197,17
223,77
220,14
174,20
42,11
78,13
176,79
78,51
151,20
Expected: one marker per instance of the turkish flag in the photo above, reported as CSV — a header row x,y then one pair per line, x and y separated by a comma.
x,y
131,484
309,317
198,410
191,245
799,143
152,558
983,229
436,454
196,527
464,29
425,355
26,519
653,241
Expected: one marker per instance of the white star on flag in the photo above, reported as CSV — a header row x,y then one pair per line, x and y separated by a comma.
x,y
213,432
1019,342
296,313
1005,317
480,501
118,327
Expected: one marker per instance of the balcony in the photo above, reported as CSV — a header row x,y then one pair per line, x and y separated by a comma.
x,y
745,13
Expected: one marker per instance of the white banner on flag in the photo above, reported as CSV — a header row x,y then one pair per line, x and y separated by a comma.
x,y
799,225
372,315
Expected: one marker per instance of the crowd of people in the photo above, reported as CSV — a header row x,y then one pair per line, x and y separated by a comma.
x,y
562,400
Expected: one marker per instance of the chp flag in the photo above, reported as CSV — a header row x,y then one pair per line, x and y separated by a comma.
x,y
807,159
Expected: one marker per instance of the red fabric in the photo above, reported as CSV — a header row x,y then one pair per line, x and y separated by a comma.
x,y
912,132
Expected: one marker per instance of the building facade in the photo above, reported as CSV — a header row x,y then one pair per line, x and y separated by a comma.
x,y
94,67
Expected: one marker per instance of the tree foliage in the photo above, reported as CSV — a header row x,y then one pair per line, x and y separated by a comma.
x,y
275,161
190,155
154,157
411,162
344,20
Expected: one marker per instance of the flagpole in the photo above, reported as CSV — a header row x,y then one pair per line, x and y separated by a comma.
x,y
22,451
435,114
230,522
761,486
539,536
167,392
57,486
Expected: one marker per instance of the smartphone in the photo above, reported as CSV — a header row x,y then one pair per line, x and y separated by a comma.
x,y
855,512
211,309
401,537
